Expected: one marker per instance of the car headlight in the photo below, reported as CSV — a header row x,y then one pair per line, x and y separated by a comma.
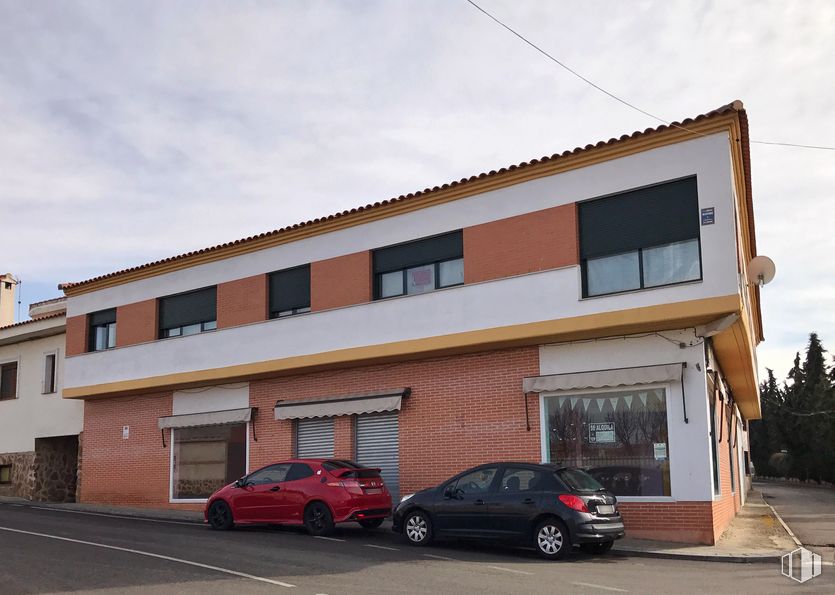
x,y
406,497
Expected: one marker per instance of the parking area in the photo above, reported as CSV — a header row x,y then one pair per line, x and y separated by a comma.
x,y
55,550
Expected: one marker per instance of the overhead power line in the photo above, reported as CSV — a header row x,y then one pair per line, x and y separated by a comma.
x,y
615,97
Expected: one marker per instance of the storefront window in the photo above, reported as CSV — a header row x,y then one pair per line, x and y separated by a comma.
x,y
619,438
206,459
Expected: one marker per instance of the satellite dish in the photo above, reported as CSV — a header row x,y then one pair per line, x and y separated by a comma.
x,y
761,270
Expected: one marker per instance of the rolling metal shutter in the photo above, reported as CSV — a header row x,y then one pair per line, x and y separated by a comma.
x,y
378,445
314,438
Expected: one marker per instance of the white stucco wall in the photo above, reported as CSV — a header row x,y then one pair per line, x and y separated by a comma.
x,y
689,443
33,414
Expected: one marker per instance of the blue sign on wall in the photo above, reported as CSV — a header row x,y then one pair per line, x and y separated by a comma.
x,y
708,216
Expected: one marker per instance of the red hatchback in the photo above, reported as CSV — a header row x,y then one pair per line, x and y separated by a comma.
x,y
316,493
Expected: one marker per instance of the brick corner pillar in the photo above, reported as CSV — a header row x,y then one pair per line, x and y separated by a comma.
x,y
340,281
76,335
242,301
343,437
522,244
136,323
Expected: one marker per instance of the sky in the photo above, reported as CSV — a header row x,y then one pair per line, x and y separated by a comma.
x,y
135,130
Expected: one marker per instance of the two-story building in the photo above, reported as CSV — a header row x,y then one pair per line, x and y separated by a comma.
x,y
589,308
39,431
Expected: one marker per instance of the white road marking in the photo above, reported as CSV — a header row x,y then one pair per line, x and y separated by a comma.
x,y
327,538
382,547
117,516
510,570
153,555
604,587
440,557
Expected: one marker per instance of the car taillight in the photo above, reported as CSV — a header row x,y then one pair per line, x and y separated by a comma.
x,y
574,502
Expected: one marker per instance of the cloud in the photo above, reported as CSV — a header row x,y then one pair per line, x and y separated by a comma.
x,y
134,131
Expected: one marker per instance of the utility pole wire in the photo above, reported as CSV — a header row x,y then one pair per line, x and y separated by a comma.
x,y
615,97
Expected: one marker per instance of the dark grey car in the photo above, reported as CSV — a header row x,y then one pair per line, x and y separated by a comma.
x,y
547,506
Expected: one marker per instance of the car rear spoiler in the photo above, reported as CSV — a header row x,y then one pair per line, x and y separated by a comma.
x,y
347,472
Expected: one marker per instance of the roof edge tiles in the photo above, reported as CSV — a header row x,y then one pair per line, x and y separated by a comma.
x,y
393,206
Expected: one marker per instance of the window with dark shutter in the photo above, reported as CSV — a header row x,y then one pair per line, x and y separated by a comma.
x,y
290,291
188,313
642,238
102,330
8,381
419,266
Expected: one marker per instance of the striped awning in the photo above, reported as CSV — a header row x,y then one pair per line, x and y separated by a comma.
x,y
603,378
370,402
209,418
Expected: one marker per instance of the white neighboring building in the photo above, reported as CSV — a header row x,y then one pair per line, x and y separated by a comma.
x,y
39,430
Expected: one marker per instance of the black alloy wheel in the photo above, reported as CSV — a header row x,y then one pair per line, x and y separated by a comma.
x,y
318,519
220,516
551,539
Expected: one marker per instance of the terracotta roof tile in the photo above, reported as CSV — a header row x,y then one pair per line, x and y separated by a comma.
x,y
25,322
733,107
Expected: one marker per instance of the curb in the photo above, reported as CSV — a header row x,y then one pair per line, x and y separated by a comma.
x,y
766,559
782,522
91,510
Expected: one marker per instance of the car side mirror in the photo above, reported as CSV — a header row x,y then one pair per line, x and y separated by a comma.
x,y
449,492
240,483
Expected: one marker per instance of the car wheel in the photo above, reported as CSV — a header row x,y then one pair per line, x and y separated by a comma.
x,y
417,528
370,523
597,548
318,519
551,539
220,516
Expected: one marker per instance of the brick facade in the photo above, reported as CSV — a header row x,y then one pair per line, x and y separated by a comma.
x,y
726,507
76,335
463,410
242,301
341,281
136,323
523,244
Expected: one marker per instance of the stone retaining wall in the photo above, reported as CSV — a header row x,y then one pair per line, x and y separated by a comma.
x,y
23,474
55,469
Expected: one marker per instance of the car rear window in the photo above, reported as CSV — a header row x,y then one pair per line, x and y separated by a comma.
x,y
579,481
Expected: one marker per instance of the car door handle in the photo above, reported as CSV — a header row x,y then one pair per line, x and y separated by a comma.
x,y
528,501
275,489
479,502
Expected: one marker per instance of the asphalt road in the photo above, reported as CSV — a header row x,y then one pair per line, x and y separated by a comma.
x,y
808,511
60,551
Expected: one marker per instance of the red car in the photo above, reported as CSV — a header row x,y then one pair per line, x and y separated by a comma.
x,y
316,493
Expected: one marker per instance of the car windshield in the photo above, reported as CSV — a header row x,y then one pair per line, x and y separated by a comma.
x,y
579,481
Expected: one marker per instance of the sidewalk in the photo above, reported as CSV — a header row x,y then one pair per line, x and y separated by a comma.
x,y
755,535
158,514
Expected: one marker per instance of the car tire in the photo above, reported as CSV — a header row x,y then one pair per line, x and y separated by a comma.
x,y
550,538
318,519
370,523
417,528
220,516
597,548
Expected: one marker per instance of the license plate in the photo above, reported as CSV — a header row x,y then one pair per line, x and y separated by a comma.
x,y
605,509
373,491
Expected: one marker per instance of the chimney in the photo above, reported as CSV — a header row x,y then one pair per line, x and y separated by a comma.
x,y
8,288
